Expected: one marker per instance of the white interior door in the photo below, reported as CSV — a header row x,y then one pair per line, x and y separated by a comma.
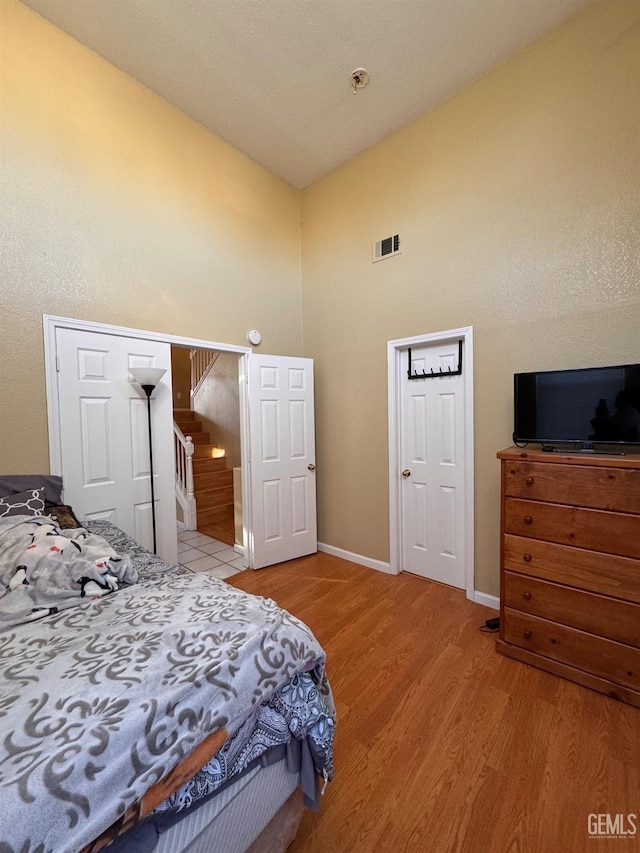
x,y
281,459
104,434
432,475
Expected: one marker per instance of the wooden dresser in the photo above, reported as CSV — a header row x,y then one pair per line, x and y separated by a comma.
x,y
570,573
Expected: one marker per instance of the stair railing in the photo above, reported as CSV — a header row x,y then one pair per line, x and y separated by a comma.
x,y
185,492
202,360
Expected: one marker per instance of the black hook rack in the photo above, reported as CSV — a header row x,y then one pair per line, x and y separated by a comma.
x,y
440,371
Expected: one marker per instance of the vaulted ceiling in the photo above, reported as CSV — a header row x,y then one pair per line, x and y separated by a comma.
x,y
273,77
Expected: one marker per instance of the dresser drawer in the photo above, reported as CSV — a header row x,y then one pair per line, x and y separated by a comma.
x,y
590,570
607,617
598,488
593,529
605,658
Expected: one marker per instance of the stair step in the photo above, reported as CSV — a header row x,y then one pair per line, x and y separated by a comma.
x,y
206,451
207,464
213,479
208,516
199,437
191,420
189,427
213,498
184,414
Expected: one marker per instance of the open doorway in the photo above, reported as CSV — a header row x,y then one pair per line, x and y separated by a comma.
x,y
108,439
277,436
206,410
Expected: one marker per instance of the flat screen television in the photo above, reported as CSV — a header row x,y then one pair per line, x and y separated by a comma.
x,y
584,407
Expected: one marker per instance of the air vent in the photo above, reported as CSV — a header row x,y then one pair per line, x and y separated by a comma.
x,y
386,248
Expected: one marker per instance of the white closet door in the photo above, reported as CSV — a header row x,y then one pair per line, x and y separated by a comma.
x,y
433,469
104,431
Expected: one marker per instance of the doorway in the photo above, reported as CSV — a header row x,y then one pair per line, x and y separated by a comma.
x,y
431,456
206,411
276,433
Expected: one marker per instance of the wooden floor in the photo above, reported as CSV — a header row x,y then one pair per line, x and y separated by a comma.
x,y
223,530
442,744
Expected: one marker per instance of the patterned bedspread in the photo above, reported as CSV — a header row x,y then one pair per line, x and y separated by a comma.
x,y
99,701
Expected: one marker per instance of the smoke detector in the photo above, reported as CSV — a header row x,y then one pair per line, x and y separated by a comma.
x,y
359,79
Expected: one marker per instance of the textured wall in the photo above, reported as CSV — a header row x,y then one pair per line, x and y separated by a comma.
x,y
181,377
218,405
518,205
117,208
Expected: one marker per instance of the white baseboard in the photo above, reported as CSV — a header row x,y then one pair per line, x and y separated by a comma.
x,y
378,565
181,526
486,600
479,597
239,549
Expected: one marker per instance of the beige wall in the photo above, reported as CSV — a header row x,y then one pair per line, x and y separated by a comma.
x,y
117,208
181,377
517,203
218,405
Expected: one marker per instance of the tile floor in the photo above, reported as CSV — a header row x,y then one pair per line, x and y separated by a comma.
x,y
200,553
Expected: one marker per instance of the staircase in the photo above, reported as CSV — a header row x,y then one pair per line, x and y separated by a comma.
x,y
212,480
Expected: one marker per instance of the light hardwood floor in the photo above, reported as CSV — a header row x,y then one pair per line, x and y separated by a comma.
x,y
222,530
442,744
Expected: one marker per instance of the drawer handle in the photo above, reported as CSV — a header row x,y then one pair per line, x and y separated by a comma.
x,y
527,634
529,481
528,519
526,596
527,558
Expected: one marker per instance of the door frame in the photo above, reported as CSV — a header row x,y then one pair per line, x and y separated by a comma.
x,y
51,323
395,352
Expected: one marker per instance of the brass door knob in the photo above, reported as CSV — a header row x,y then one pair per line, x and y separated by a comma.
x,y
311,466
406,473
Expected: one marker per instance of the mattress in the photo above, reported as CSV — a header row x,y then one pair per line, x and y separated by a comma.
x,y
232,820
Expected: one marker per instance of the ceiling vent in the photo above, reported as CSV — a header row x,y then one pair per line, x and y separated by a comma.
x,y
386,248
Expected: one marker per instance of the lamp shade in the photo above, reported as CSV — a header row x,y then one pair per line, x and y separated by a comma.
x,y
147,375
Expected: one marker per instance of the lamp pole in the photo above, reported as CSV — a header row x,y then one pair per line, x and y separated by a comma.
x,y
148,378
148,390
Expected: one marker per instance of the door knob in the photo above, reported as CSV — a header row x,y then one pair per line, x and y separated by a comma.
x,y
406,473
311,466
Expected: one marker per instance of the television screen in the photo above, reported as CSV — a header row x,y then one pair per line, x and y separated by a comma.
x,y
585,406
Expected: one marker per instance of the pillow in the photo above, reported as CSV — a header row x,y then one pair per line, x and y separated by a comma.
x,y
30,502
64,516
11,484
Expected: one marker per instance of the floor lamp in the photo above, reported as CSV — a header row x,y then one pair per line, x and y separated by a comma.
x,y
148,378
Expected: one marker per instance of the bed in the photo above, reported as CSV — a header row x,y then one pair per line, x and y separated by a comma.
x,y
143,707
